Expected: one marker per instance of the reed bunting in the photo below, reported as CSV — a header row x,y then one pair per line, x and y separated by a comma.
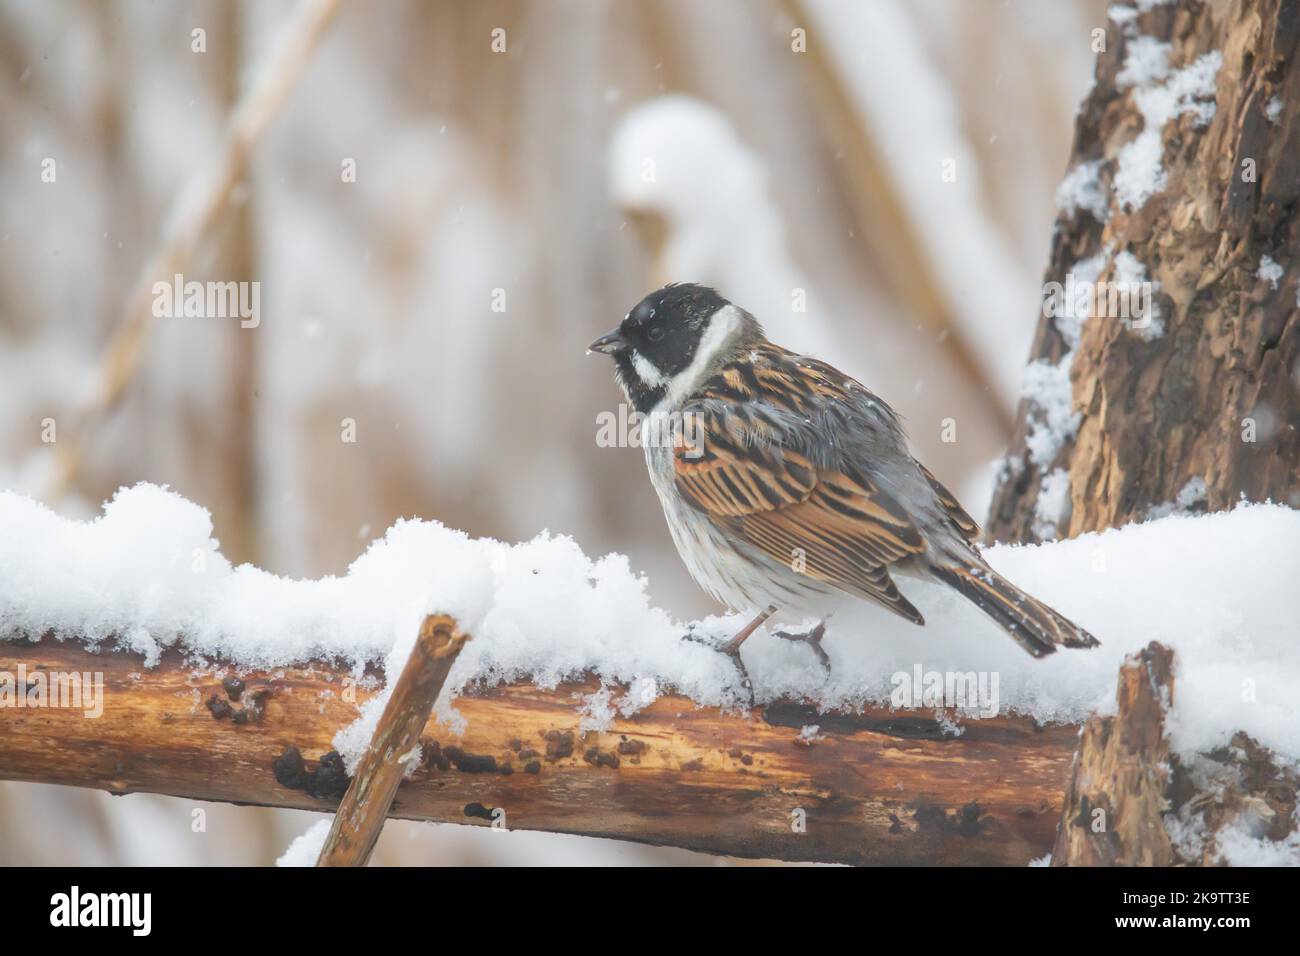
x,y
798,487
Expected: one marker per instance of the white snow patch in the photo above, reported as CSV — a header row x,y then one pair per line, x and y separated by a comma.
x,y
1053,504
1085,274
1125,17
1243,840
1046,385
809,734
597,710
1082,189
1269,270
1130,275
1190,495
1146,61
1160,96
305,848
1239,845
1273,111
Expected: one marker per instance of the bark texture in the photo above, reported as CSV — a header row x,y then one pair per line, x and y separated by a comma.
x,y
876,787
1215,397
396,741
1119,785
1191,407
1134,802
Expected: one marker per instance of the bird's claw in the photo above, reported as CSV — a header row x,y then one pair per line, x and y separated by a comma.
x,y
732,650
813,638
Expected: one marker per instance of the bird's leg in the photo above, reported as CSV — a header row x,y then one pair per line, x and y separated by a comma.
x,y
813,639
732,648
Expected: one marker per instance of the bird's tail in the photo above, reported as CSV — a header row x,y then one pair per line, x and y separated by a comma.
x,y
1030,623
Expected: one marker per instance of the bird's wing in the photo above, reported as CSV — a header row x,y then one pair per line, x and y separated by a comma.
x,y
966,525
833,523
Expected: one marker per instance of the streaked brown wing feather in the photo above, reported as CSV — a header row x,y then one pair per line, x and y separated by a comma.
x,y
844,528
724,483
962,521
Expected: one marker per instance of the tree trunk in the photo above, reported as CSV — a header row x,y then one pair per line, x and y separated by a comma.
x,y
1189,406
1201,407
1133,802
1120,782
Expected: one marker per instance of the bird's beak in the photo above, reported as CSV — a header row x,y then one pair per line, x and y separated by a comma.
x,y
608,344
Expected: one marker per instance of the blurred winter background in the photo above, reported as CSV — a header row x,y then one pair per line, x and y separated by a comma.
x,y
873,179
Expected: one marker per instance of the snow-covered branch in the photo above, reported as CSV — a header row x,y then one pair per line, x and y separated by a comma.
x,y
579,708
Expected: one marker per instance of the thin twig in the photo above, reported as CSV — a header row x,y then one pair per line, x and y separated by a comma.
x,y
194,212
364,809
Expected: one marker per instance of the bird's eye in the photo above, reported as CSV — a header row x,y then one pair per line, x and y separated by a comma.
x,y
655,333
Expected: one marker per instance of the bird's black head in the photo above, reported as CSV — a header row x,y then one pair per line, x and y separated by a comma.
x,y
660,342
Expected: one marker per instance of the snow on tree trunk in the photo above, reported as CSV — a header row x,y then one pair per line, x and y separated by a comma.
x,y
1165,377
1184,186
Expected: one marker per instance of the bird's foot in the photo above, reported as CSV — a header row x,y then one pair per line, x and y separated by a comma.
x,y
732,649
813,638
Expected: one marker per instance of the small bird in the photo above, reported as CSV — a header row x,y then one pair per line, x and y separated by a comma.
x,y
787,484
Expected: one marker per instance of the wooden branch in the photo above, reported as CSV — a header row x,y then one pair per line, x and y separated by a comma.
x,y
878,787
361,815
